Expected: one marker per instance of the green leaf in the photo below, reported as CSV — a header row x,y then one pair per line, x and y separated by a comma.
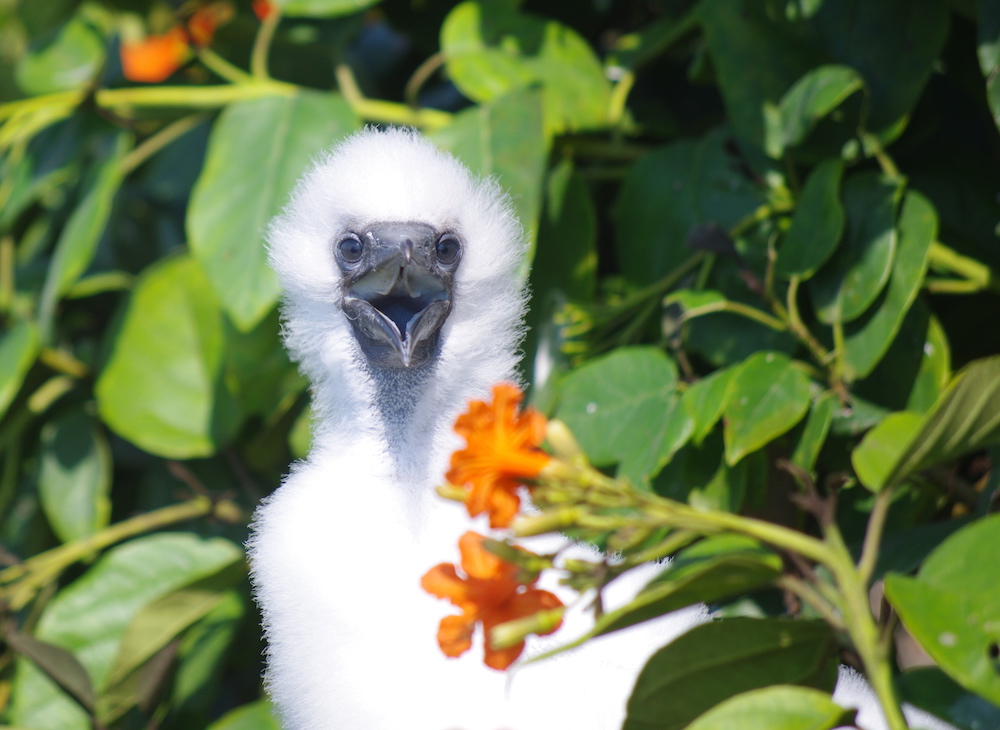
x,y
58,664
300,437
853,278
323,8
253,716
815,431
718,660
504,140
670,191
817,225
952,607
966,418
78,241
566,257
756,57
988,29
932,690
227,218
874,457
867,338
767,397
64,60
622,408
704,401
161,387
74,481
714,569
89,617
934,371
811,98
491,49
18,350
776,708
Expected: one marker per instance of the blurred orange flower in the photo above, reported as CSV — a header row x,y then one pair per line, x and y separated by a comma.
x,y
501,453
491,593
263,9
156,57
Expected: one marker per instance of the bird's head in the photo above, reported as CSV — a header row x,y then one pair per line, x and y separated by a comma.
x,y
394,259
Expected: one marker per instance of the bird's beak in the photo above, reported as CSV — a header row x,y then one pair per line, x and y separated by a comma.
x,y
398,300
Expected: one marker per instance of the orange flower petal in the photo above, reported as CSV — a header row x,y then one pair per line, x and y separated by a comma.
x,y
501,658
478,562
157,57
263,9
455,635
443,581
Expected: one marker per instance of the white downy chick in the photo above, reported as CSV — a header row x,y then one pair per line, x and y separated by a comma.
x,y
402,302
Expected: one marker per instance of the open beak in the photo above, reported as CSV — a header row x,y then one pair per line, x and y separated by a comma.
x,y
398,301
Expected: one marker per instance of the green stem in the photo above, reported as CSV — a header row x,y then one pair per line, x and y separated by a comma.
x,y
192,97
6,273
733,307
262,42
419,78
619,96
814,598
386,111
977,275
873,535
20,582
156,142
61,361
221,67
874,144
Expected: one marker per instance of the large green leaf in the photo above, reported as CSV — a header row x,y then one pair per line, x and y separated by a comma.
x,y
704,401
74,481
817,225
504,140
238,193
491,49
952,607
965,418
669,192
776,708
718,660
931,689
90,616
767,397
161,387
853,278
811,98
18,350
78,240
623,409
867,338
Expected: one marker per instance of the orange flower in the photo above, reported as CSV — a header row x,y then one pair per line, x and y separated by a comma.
x,y
490,593
156,57
203,22
263,9
501,453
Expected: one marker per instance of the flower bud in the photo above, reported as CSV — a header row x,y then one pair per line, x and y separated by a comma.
x,y
512,633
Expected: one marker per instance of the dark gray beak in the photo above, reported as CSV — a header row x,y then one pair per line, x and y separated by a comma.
x,y
397,291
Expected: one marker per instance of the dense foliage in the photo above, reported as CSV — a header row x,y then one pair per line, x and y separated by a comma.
x,y
763,285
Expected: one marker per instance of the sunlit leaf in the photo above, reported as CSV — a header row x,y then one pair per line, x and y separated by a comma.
x,y
817,426
75,477
776,708
767,396
238,193
67,59
931,689
623,409
952,607
810,99
720,659
322,8
161,388
875,456
492,48
253,716
704,401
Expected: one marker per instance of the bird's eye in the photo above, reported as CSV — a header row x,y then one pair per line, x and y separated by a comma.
x,y
447,249
351,250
